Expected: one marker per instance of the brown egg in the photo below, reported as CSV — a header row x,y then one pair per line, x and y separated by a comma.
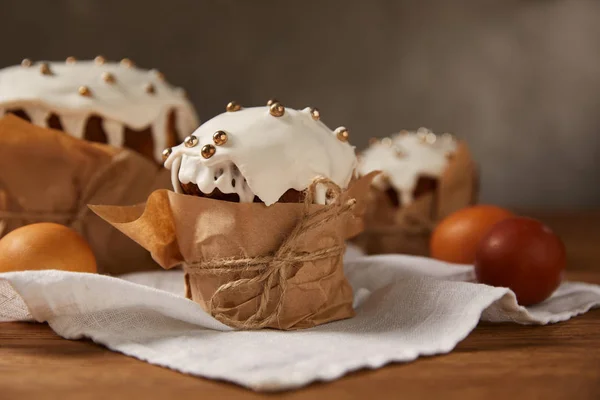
x,y
524,255
45,246
457,236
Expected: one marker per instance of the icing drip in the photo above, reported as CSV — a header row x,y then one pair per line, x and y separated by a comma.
x,y
406,157
160,124
74,125
273,154
226,177
114,132
38,115
124,99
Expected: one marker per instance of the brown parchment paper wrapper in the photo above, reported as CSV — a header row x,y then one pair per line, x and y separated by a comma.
x,y
407,229
187,230
48,176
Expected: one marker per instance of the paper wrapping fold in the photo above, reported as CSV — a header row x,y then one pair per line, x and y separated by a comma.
x,y
48,176
187,230
407,229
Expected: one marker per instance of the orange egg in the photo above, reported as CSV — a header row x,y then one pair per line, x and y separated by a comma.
x,y
45,246
457,236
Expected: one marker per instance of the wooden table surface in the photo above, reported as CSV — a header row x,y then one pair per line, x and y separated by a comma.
x,y
504,361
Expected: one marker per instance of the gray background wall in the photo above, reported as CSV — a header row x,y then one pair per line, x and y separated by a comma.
x,y
519,80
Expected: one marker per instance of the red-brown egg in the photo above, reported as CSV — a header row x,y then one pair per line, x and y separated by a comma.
x,y
524,255
456,237
45,246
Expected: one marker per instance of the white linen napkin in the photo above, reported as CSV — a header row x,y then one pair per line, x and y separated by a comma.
x,y
406,307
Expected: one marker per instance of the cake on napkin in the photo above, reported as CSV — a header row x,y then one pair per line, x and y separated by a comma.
x,y
264,200
424,178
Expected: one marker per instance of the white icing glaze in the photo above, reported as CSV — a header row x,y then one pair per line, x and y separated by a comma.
x,y
38,115
406,157
125,101
273,154
114,132
74,124
160,125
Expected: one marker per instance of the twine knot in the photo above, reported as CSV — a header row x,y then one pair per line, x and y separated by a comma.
x,y
273,270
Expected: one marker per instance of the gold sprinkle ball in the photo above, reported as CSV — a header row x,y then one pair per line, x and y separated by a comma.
x,y
430,138
277,109
448,136
315,114
220,138
190,141
271,101
126,62
386,141
108,77
166,153
99,60
26,63
149,88
159,75
399,152
233,106
45,69
85,91
208,150
71,60
342,134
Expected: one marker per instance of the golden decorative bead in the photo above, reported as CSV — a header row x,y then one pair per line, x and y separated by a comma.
x,y
315,114
277,109
85,91
99,60
271,101
45,69
108,77
159,75
166,153
399,152
126,62
149,88
220,138
386,141
373,141
208,150
233,106
190,141
342,134
430,138
448,137
71,60
26,63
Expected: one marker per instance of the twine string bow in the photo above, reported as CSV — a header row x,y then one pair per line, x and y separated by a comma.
x,y
273,270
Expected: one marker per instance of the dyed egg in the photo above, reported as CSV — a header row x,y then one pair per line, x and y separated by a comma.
x,y
457,236
45,246
524,255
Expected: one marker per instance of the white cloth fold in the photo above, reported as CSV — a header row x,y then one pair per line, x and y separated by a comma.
x,y
406,307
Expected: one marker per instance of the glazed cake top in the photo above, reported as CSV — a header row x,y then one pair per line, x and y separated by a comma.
x,y
264,154
405,157
119,92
